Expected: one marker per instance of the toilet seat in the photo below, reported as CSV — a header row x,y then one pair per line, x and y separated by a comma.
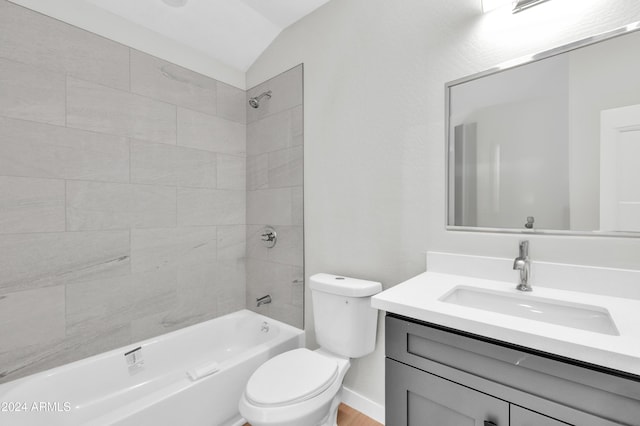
x,y
291,377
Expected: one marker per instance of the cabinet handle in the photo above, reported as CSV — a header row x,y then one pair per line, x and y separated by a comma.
x,y
489,423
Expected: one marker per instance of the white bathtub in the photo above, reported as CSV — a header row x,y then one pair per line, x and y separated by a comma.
x,y
156,390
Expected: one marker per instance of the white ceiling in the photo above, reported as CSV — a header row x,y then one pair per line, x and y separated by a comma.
x,y
235,32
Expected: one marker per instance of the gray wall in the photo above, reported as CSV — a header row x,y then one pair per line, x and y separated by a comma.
x,y
122,194
274,197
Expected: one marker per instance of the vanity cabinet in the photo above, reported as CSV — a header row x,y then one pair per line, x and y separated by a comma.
x,y
438,376
420,398
518,416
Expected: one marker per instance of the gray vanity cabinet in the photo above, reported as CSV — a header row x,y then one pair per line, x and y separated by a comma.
x,y
521,417
442,377
418,398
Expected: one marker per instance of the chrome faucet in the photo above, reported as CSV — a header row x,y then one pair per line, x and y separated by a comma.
x,y
523,264
263,300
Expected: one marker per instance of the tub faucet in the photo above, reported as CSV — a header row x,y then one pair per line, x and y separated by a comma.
x,y
523,264
263,300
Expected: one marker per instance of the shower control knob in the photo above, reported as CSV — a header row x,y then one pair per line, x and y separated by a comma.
x,y
269,237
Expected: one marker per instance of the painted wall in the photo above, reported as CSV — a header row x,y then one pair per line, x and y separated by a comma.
x,y
274,198
122,194
374,133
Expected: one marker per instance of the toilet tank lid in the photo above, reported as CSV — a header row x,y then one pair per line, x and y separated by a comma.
x,y
344,286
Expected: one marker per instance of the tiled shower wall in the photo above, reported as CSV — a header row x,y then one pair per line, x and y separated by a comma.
x,y
274,197
122,194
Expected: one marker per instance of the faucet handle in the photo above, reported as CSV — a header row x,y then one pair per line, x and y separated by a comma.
x,y
524,248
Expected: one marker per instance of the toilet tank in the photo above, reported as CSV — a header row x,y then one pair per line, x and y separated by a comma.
x,y
344,321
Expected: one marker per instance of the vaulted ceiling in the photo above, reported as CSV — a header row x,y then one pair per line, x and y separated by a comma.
x,y
219,38
235,32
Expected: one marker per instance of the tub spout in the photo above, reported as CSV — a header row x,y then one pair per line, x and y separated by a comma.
x,y
263,300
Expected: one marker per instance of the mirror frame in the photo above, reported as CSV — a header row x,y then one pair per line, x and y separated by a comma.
x,y
518,62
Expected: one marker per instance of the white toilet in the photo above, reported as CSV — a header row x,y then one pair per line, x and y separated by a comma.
x,y
302,387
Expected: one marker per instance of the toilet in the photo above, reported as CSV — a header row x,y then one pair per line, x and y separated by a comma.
x,y
303,387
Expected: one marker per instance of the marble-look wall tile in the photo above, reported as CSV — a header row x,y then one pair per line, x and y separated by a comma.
x,y
290,246
20,362
31,93
232,242
277,131
31,205
203,131
99,108
288,250
171,248
118,301
32,316
197,168
232,103
257,171
285,167
198,207
282,283
275,197
97,205
162,164
97,141
197,294
231,289
297,206
29,261
286,91
153,163
255,248
40,150
269,206
232,172
162,80
32,38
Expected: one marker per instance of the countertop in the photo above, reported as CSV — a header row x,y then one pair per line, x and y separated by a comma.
x,y
418,298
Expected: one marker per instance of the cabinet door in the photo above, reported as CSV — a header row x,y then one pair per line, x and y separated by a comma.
x,y
523,417
416,398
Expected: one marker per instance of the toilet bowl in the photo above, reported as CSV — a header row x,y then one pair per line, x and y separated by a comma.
x,y
303,387
300,387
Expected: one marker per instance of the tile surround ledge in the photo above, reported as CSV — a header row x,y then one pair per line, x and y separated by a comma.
x,y
419,298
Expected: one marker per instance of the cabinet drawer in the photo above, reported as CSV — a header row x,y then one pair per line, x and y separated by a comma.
x,y
570,393
523,417
416,398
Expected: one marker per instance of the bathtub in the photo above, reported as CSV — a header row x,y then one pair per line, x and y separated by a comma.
x,y
190,377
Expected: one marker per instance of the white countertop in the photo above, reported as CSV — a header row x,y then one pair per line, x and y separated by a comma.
x,y
418,298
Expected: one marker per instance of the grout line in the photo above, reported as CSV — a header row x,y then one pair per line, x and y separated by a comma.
x,y
66,208
116,136
107,182
66,99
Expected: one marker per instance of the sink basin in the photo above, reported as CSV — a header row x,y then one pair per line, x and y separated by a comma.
x,y
584,317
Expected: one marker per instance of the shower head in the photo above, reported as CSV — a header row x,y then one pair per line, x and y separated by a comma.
x,y
255,101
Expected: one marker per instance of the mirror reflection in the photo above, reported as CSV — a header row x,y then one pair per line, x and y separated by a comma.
x,y
553,144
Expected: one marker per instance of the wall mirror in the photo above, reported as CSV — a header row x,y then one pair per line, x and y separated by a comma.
x,y
549,143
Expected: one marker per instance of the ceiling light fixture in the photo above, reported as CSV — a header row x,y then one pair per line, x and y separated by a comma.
x,y
175,3
520,5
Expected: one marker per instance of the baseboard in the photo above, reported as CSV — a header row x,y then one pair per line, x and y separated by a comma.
x,y
363,404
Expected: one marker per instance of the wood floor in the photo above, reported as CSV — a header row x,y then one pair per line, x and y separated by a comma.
x,y
347,416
